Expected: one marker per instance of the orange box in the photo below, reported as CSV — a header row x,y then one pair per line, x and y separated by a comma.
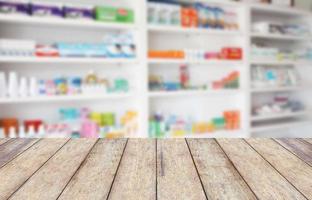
x,y
232,53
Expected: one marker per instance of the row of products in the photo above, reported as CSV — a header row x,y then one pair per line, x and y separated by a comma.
x,y
157,83
281,104
68,11
197,15
113,46
91,84
75,123
176,126
226,53
264,52
286,3
267,76
265,27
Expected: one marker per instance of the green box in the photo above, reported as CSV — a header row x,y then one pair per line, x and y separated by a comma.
x,y
110,14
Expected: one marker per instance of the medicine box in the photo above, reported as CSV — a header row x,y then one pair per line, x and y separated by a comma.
x,y
110,14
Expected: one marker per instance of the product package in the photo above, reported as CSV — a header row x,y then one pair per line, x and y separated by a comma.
x,y
110,14
72,11
17,7
45,9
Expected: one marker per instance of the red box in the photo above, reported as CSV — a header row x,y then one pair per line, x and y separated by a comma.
x,y
232,53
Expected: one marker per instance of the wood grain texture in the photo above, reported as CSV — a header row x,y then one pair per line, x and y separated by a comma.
x,y
2,141
219,177
15,173
299,147
13,148
136,177
261,177
290,166
52,177
308,140
95,177
176,174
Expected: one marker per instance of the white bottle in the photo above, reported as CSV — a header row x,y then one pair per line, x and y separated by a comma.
x,y
31,132
23,87
3,85
2,133
41,131
22,132
13,85
33,88
12,132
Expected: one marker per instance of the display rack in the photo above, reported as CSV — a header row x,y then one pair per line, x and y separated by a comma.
x,y
203,104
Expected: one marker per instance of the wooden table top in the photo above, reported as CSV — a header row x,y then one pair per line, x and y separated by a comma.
x,y
144,169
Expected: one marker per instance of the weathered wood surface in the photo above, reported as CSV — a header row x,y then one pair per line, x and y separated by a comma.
x,y
299,147
136,177
176,174
52,177
138,169
290,166
262,178
220,178
13,148
93,180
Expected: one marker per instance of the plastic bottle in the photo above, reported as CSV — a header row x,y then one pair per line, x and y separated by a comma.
x,y
12,132
22,132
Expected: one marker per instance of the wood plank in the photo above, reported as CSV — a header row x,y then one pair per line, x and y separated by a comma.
x,y
290,166
261,177
13,148
219,177
2,141
308,140
136,177
95,177
176,174
52,177
15,173
299,147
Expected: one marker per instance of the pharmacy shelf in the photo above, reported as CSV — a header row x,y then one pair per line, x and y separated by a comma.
x,y
183,30
62,60
279,63
280,37
155,61
279,10
280,126
52,99
278,89
280,116
165,94
69,23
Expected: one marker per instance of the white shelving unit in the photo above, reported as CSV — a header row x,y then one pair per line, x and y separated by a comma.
x,y
203,104
284,124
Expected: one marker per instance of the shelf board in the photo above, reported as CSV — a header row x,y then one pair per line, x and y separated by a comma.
x,y
279,89
41,21
279,63
280,116
193,93
273,9
68,98
280,37
63,60
198,62
182,30
279,126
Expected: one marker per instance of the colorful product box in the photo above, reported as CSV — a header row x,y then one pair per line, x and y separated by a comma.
x,y
18,7
72,11
232,53
43,9
110,14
